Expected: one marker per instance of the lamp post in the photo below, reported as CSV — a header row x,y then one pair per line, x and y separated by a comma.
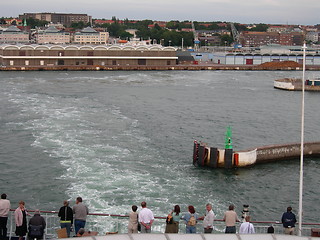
x,y
169,43
302,141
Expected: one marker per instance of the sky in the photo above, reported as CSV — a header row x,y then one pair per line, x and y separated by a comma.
x,y
297,12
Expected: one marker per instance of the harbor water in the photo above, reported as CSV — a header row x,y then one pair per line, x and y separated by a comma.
x,y
119,138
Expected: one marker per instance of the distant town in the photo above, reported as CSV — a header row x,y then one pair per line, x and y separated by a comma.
x,y
62,41
63,28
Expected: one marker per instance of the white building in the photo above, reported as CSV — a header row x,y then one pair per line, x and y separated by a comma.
x,y
14,35
312,36
52,35
90,36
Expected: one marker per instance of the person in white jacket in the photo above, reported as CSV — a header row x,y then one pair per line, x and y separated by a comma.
x,y
208,219
246,227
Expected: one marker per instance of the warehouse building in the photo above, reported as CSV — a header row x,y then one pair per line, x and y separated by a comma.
x,y
74,55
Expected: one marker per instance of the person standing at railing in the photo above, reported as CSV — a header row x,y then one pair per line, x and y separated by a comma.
x,y
173,227
20,216
37,224
133,220
208,219
146,218
66,217
190,219
4,210
80,214
230,218
289,220
246,227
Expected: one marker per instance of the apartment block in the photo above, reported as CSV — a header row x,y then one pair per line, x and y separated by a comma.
x,y
14,35
90,36
52,36
256,39
64,18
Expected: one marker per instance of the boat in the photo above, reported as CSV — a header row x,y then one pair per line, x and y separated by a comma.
x,y
295,84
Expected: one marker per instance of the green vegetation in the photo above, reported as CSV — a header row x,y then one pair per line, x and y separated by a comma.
x,y
173,33
36,23
79,25
261,27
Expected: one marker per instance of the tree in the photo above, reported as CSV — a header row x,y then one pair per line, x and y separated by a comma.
x,y
261,27
77,25
2,21
125,35
226,40
36,23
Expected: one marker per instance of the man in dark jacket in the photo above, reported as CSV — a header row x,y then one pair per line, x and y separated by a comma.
x,y
288,220
37,224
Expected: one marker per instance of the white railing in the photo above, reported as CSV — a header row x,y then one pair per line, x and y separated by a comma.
x,y
104,223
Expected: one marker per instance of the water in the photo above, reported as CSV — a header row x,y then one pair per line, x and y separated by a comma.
x,y
119,138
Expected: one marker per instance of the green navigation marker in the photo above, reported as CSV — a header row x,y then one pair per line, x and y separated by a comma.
x,y
228,143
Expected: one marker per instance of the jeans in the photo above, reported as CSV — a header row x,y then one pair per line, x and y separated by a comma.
x,y
145,230
78,224
191,229
231,229
67,226
3,228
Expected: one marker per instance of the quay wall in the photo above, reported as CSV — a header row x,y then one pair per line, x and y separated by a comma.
x,y
148,68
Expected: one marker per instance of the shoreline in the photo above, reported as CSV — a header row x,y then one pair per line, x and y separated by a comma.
x,y
157,68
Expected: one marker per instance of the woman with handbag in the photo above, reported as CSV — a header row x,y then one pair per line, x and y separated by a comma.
x,y
173,219
20,216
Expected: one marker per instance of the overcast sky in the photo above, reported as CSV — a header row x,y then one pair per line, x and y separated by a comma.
x,y
305,12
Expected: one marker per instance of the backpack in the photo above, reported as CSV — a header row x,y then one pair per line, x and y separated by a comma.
x,y
192,221
35,231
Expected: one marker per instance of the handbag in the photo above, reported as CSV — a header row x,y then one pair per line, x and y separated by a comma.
x,y
169,219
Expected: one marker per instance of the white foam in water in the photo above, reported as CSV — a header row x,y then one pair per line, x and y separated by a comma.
x,y
97,148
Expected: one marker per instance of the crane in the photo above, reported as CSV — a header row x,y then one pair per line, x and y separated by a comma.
x,y
196,39
236,36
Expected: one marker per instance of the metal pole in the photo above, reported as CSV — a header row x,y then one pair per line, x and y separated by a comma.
x,y
302,139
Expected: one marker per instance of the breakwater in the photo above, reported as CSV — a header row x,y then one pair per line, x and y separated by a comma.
x,y
227,158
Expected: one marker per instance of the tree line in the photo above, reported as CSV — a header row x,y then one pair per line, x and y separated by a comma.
x,y
173,33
